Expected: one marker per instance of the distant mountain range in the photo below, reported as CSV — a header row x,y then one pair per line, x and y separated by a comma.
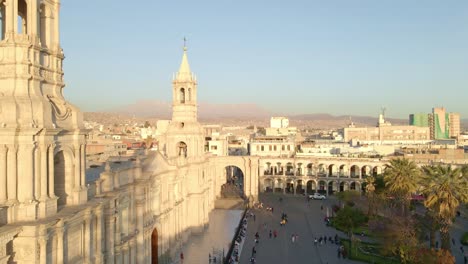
x,y
236,114
163,110
229,114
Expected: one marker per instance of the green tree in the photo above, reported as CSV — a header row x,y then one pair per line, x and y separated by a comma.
x,y
445,188
349,218
401,177
348,197
370,191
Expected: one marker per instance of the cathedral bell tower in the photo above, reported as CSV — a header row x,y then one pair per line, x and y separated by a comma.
x,y
184,137
184,93
42,138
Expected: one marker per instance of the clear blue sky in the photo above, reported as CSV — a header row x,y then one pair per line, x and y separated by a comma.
x,y
297,56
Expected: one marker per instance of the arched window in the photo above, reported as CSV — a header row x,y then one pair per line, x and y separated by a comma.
x,y
2,20
22,17
61,169
182,95
189,95
182,149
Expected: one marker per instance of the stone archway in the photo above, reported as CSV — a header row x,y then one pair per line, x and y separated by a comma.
x,y
154,247
322,187
344,186
63,177
311,187
268,185
299,187
234,186
247,165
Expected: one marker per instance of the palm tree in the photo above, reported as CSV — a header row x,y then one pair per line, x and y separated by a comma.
x,y
401,178
370,188
445,188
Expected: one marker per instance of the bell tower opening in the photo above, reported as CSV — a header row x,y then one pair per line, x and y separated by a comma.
x,y
2,20
182,149
182,95
22,17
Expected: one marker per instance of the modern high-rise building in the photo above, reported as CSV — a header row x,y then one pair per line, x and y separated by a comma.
x,y
442,125
419,119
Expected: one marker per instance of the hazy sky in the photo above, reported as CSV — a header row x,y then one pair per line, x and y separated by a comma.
x,y
295,56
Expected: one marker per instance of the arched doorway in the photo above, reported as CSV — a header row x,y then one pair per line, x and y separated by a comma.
x,y
154,247
322,189
61,170
234,186
299,187
330,187
290,186
279,185
354,171
268,185
311,187
344,186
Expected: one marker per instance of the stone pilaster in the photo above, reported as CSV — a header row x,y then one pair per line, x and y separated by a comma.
x,y
87,238
43,175
43,250
12,172
59,233
3,174
99,238
140,250
51,149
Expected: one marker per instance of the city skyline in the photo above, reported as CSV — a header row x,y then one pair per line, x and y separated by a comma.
x,y
297,58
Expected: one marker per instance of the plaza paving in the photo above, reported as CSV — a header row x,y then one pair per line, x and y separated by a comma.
x,y
304,219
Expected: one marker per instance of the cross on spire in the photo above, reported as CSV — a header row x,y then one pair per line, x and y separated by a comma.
x,y
185,44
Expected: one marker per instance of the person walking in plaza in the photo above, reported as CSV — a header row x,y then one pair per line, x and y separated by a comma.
x,y
275,234
293,238
181,257
270,233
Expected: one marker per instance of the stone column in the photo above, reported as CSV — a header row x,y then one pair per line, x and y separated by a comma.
x,y
110,223
12,173
43,250
43,177
37,173
9,22
139,226
77,163
59,231
87,238
3,174
25,173
56,30
83,165
99,238
51,171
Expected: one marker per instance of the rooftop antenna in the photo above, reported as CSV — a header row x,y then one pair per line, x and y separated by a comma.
x,y
383,110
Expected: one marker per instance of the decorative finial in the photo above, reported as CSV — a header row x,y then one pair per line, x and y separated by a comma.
x,y
185,44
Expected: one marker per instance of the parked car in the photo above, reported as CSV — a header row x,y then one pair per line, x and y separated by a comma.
x,y
317,196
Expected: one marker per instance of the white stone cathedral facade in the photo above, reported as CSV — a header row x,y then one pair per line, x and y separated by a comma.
x,y
49,212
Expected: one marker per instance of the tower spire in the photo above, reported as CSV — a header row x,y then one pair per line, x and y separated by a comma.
x,y
184,73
